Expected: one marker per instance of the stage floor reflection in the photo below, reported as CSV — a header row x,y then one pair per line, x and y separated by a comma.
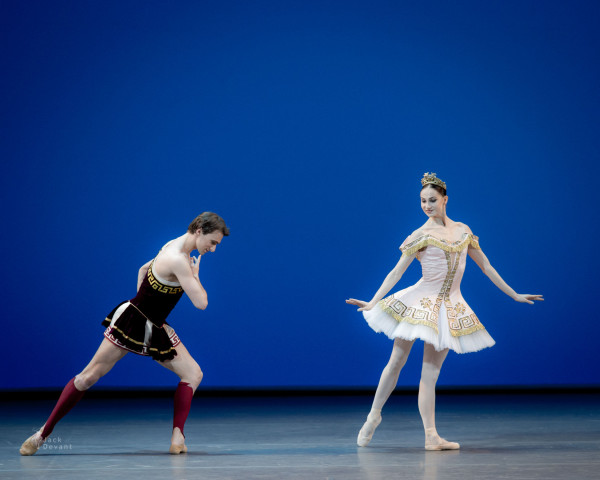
x,y
502,436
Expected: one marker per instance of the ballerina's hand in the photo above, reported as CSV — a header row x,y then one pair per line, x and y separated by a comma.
x,y
359,303
195,264
529,298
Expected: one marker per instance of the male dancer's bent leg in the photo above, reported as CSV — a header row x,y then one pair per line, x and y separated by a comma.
x,y
190,374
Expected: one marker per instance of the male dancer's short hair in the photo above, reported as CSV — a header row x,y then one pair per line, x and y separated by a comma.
x,y
208,222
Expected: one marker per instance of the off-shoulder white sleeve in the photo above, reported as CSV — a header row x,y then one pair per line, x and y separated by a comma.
x,y
474,241
413,244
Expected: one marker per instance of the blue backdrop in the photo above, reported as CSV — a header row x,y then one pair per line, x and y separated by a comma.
x,y
307,125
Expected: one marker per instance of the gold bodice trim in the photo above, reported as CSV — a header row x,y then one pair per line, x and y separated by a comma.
x,y
425,241
161,287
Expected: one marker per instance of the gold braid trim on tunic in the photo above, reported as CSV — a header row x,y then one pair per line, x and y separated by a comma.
x,y
123,333
158,285
154,349
427,240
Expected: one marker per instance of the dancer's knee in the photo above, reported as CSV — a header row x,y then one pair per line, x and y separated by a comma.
x,y
430,373
85,380
398,358
397,362
198,376
194,377
90,375
399,354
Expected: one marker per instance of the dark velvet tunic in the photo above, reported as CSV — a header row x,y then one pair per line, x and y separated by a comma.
x,y
155,299
140,326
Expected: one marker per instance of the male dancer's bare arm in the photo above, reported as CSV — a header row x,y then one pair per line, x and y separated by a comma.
x,y
482,261
187,275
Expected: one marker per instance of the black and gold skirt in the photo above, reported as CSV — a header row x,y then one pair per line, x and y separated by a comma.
x,y
130,329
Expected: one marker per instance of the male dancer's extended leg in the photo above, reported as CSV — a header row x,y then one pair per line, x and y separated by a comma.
x,y
432,364
104,359
387,383
190,374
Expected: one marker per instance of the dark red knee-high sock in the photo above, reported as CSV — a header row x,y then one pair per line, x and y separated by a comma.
x,y
183,403
68,398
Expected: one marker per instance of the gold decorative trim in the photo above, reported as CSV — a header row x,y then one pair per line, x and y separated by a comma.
x,y
467,331
465,325
161,287
426,303
129,339
161,352
451,247
402,313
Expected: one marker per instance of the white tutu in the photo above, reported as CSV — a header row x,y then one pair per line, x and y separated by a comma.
x,y
381,321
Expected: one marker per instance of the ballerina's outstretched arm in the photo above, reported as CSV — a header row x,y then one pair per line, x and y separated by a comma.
x,y
482,261
392,279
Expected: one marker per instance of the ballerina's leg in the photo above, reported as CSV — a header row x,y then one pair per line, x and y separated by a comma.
x,y
387,384
432,364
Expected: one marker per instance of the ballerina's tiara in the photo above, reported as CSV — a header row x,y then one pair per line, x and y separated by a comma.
x,y
431,179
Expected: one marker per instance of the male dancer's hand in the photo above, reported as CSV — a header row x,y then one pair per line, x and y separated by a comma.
x,y
195,264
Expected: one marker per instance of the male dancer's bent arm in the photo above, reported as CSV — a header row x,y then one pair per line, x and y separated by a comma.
x,y
187,275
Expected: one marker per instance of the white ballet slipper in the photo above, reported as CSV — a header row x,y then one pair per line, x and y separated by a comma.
x,y
434,442
368,429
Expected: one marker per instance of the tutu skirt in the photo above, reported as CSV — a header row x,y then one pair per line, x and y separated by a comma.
x,y
381,321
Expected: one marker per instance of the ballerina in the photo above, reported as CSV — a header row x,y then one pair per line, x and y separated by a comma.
x,y
432,310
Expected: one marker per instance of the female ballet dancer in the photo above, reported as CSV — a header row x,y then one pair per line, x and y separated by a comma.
x,y
432,310
139,326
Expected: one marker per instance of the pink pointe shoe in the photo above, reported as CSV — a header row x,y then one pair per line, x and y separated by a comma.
x,y
32,444
434,442
368,429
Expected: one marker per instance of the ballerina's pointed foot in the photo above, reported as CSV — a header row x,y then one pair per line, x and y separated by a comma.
x,y
32,444
368,429
434,442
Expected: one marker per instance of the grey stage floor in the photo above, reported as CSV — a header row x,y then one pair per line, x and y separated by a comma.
x,y
518,436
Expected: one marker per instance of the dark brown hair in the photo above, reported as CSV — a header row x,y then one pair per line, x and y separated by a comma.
x,y
437,188
208,222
